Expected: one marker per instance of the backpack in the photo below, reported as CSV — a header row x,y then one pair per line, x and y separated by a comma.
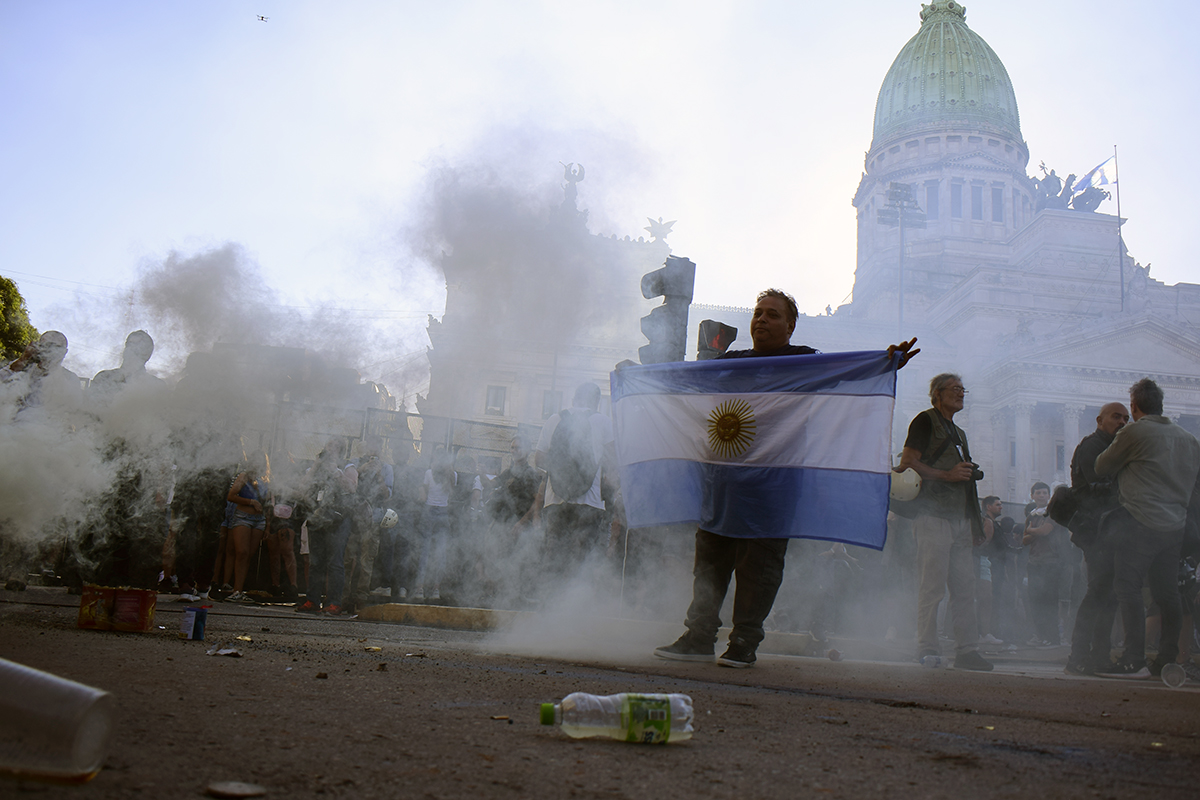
x,y
571,463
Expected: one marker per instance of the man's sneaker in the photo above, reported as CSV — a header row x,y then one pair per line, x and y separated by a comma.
x,y
308,607
382,591
189,597
686,648
419,596
403,594
990,639
738,655
972,660
1124,669
1078,668
332,610
435,595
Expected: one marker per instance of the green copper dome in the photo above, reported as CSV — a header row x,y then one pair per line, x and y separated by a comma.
x,y
945,74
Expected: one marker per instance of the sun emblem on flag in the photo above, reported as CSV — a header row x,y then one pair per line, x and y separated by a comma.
x,y
731,428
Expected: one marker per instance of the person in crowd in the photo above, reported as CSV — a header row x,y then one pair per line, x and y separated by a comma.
x,y
985,611
756,563
49,382
577,450
465,506
197,512
222,577
396,544
1091,639
373,491
439,482
250,493
949,523
281,536
127,533
132,373
1156,464
513,510
328,493
1046,540
1004,580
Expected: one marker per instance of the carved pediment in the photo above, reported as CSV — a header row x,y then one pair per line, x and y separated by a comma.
x,y
1148,344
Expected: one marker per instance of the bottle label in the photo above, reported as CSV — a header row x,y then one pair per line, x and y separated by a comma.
x,y
647,718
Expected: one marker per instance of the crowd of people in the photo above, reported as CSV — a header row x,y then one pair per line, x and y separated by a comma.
x,y
375,520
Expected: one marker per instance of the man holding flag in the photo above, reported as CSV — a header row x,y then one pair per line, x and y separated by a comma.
x,y
765,472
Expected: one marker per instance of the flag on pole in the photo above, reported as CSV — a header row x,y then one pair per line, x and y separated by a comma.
x,y
1101,175
788,446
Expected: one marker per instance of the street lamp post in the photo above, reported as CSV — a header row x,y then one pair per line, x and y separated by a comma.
x,y
902,211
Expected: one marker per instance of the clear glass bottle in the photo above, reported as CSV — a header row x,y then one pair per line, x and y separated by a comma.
x,y
644,718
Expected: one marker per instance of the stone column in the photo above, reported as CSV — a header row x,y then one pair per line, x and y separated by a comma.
x,y
1071,414
1022,411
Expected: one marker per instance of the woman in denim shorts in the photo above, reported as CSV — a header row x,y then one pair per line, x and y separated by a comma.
x,y
250,491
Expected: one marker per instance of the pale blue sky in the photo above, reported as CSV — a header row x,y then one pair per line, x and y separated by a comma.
x,y
134,128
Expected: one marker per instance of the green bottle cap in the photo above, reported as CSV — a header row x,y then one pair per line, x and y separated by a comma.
x,y
547,713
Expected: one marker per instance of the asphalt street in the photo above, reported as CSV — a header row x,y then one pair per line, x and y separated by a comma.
x,y
334,707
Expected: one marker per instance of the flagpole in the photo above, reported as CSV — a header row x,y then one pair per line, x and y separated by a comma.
x,y
1120,240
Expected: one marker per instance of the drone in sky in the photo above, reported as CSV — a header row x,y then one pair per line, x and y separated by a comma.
x,y
261,18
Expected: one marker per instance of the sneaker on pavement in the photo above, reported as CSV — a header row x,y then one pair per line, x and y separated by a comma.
x,y
189,597
435,595
738,655
332,610
1191,670
686,648
1074,667
308,607
1124,669
990,639
402,594
382,591
972,660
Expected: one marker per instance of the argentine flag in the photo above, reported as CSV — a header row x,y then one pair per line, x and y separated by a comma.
x,y
1101,175
786,446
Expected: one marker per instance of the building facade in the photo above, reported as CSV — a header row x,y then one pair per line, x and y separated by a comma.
x,y
1035,303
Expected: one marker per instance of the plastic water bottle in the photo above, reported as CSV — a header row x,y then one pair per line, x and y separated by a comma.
x,y
51,728
644,718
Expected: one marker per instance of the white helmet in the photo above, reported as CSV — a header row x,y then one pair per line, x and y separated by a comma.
x,y
390,518
905,485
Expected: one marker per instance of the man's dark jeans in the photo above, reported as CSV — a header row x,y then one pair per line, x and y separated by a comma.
x,y
758,564
1091,641
326,556
573,531
1138,551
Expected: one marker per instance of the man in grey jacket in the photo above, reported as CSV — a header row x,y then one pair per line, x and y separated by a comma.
x,y
1156,464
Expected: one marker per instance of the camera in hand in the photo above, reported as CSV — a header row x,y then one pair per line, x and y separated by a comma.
x,y
976,472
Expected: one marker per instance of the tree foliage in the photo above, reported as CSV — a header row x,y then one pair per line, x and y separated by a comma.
x,y
16,331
